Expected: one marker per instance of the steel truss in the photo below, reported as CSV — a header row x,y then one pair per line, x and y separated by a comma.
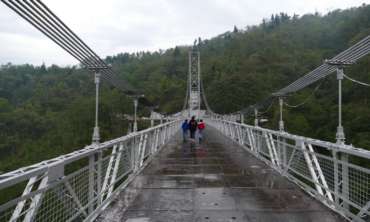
x,y
79,185
316,166
194,98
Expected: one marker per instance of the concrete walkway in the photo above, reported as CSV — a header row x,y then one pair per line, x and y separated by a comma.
x,y
216,181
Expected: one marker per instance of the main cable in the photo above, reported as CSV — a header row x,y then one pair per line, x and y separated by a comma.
x,y
352,54
356,81
306,99
42,18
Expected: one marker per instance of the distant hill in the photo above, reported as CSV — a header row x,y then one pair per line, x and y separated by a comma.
x,y
47,111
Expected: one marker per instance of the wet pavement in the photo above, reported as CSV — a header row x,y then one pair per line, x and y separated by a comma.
x,y
216,181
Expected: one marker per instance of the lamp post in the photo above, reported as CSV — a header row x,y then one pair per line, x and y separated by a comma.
x,y
339,64
255,117
151,118
96,133
281,122
97,78
136,102
340,137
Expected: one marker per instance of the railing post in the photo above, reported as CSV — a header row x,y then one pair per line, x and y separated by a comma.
x,y
95,169
163,134
151,122
242,134
54,173
258,139
167,133
99,175
133,149
156,139
91,191
138,154
345,181
336,176
283,149
152,141
230,130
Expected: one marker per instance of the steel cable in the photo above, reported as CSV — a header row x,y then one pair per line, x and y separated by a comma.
x,y
352,54
306,99
41,17
356,81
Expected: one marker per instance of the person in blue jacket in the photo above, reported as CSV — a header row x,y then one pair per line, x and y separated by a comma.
x,y
185,129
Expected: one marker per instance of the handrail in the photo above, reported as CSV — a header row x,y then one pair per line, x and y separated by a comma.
x,y
82,183
330,172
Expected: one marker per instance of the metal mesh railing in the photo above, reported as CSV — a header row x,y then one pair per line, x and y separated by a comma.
x,y
79,185
337,175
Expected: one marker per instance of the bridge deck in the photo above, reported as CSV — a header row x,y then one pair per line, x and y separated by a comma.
x,y
215,181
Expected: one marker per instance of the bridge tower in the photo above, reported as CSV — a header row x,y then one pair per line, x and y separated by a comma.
x,y
194,97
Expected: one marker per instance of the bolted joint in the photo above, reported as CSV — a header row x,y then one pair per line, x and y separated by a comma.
x,y
340,74
340,135
135,127
281,125
281,102
96,135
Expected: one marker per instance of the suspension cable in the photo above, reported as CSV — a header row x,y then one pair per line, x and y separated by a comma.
x,y
204,96
352,54
356,81
306,99
42,18
186,96
268,108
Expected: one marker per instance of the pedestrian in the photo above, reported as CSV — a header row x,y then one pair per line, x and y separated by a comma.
x,y
201,127
193,125
185,128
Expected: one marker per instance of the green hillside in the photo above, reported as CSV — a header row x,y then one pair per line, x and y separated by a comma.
x,y
47,111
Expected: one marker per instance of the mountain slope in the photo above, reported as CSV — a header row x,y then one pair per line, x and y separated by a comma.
x,y
47,111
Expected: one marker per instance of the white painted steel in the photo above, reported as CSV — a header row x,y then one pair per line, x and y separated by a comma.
x,y
79,185
314,165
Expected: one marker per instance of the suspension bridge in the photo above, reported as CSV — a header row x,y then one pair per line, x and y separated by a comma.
x,y
240,172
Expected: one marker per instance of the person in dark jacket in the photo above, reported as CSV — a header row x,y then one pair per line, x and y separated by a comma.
x,y
185,128
193,125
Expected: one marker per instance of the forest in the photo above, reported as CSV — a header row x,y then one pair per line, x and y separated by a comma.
x,y
49,111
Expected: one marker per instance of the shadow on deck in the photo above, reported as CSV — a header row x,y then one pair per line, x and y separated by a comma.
x,y
216,181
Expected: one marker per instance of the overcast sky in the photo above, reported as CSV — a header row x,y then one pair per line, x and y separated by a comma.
x,y
114,26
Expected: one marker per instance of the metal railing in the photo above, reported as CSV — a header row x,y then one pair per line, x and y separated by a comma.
x,y
79,185
337,175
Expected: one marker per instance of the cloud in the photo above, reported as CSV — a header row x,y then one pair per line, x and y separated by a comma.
x,y
115,26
